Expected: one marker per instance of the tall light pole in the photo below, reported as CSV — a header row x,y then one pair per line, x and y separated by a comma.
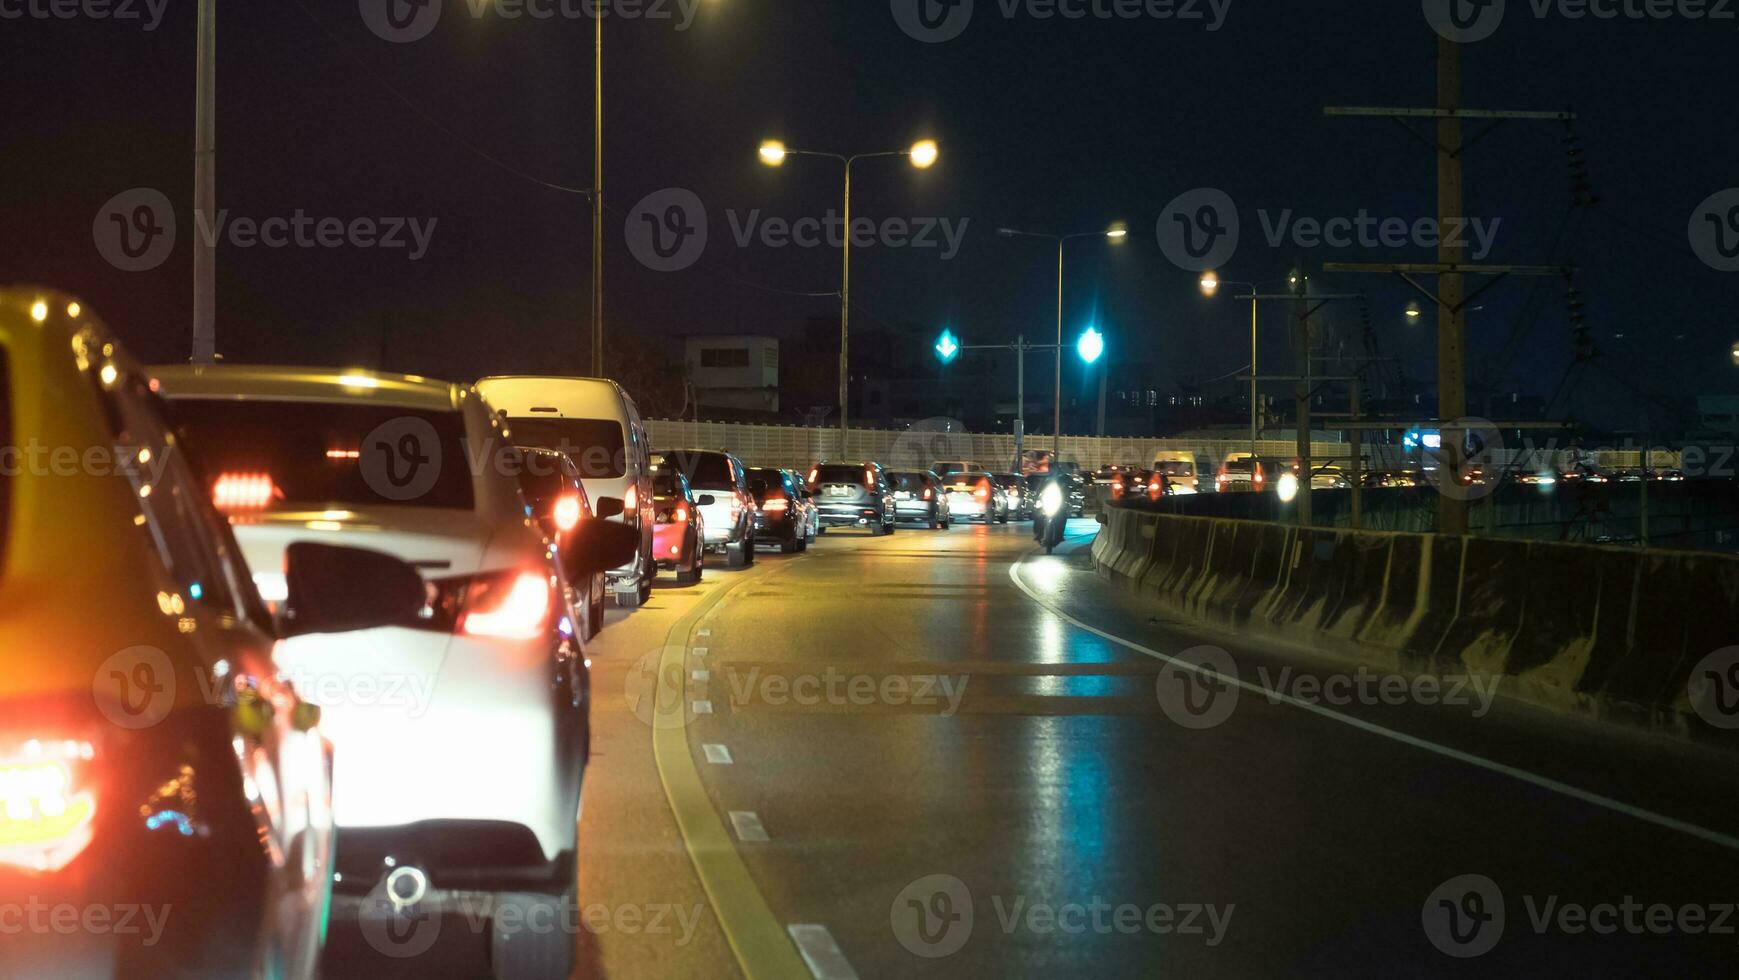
x,y
597,358
1116,233
1211,283
205,185
922,155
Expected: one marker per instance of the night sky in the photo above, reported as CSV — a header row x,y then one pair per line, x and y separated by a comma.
x,y
1044,124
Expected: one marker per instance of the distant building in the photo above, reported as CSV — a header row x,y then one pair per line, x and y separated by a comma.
x,y
1718,416
737,373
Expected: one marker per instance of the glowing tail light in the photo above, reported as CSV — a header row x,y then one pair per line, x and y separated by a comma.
x,y
869,479
776,505
510,607
982,493
243,491
680,514
46,809
567,512
631,500
928,493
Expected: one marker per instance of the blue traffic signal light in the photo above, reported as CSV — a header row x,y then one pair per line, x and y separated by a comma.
x,y
1091,345
947,347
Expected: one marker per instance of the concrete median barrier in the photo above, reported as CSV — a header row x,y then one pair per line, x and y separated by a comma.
x,y
1612,633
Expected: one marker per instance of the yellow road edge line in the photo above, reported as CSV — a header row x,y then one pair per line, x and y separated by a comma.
x,y
762,946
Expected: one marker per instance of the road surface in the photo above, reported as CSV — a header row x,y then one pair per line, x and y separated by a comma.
x,y
946,754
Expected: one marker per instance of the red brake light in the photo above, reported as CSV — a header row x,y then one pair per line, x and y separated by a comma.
x,y
243,491
567,512
927,493
680,514
869,479
982,493
775,505
631,500
46,806
512,606
813,473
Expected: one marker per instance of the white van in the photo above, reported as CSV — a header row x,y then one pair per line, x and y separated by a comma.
x,y
595,422
1179,467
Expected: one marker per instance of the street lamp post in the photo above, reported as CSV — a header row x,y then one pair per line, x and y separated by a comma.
x,y
922,155
1211,283
1116,233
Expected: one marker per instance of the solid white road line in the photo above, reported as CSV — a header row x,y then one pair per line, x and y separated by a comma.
x,y
748,827
1531,778
821,953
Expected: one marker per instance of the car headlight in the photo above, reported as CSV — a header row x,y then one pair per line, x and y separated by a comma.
x,y
1051,500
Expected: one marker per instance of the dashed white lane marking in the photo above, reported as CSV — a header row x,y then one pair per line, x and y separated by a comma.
x,y
699,651
1533,779
718,755
703,632
748,827
703,707
820,953
703,675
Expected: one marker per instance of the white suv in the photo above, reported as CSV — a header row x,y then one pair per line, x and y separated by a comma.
x,y
460,737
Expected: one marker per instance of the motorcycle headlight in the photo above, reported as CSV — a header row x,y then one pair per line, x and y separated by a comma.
x,y
1051,500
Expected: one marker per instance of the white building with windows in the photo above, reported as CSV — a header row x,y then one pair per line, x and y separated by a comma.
x,y
734,372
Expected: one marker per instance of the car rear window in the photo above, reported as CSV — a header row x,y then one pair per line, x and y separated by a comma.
x,y
596,446
909,481
837,473
705,471
967,481
664,485
1177,469
318,453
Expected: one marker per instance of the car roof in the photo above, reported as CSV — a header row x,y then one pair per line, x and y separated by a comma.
x,y
248,382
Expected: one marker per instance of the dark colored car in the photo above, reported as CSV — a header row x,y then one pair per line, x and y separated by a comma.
x,y
557,499
853,495
778,510
919,497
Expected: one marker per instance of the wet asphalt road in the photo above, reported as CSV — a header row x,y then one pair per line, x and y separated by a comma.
x,y
929,755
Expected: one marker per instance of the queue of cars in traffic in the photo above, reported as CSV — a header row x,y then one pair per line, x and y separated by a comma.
x,y
270,544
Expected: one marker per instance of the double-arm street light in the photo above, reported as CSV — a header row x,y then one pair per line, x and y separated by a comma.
x,y
922,155
1116,234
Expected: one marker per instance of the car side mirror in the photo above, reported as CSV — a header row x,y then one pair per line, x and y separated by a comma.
x,y
607,507
337,590
599,546
705,500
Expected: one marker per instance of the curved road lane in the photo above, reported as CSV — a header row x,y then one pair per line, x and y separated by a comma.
x,y
947,754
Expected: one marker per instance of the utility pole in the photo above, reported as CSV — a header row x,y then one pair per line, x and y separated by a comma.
x,y
1451,288
205,186
1451,267
1019,400
1356,470
1104,369
597,359
1301,394
845,324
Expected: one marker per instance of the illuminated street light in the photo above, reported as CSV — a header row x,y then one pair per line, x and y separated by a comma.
x,y
1736,353
1413,311
1091,345
1210,283
1117,232
923,154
